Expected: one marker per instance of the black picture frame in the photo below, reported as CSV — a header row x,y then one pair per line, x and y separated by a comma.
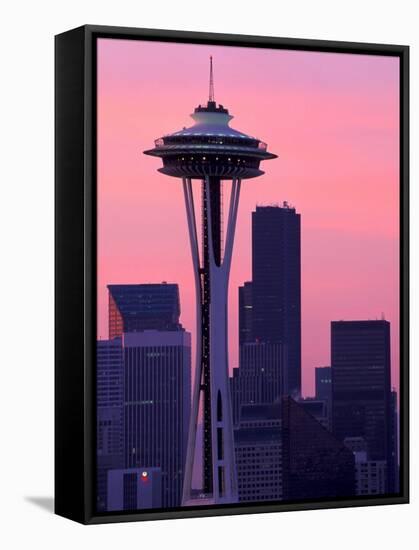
x,y
75,268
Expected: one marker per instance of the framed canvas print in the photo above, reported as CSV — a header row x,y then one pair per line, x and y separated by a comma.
x,y
231,274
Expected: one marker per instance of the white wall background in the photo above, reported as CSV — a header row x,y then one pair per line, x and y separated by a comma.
x,y
26,256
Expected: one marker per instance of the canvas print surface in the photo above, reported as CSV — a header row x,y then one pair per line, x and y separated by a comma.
x,y
248,275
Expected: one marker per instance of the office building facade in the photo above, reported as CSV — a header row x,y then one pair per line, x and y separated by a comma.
x,y
260,379
370,475
323,381
361,394
393,467
109,422
276,284
245,313
258,448
157,403
137,307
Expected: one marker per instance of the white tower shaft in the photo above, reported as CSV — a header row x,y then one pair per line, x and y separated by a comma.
x,y
224,479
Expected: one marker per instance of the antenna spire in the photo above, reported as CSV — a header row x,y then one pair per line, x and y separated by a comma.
x,y
211,83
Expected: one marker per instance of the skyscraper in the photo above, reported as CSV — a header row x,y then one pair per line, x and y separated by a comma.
x,y
323,383
137,307
109,423
276,284
157,404
260,377
361,395
315,464
258,446
393,467
324,389
211,151
245,313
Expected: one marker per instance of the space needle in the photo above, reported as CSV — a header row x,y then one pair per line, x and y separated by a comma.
x,y
211,151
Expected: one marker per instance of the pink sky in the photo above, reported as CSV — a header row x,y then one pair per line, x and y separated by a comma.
x,y
333,120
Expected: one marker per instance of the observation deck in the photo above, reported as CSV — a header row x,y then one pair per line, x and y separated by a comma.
x,y
210,148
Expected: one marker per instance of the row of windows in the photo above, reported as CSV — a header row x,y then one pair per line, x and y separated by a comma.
x,y
245,489
261,497
257,464
261,453
217,140
260,479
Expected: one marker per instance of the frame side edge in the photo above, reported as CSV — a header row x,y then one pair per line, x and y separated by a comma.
x,y
405,276
69,274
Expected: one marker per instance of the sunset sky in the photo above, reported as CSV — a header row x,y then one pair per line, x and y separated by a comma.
x,y
333,121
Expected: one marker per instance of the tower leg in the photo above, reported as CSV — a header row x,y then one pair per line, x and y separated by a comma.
x,y
223,454
214,296
193,422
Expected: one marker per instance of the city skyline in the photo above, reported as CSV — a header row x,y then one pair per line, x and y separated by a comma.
x,y
348,246
270,447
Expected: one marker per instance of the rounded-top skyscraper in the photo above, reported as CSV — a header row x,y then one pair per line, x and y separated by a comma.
x,y
211,151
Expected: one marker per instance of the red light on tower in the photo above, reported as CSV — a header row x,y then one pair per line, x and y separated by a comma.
x,y
144,477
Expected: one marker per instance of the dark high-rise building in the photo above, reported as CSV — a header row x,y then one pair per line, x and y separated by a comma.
x,y
260,377
393,467
258,448
323,383
133,308
109,424
157,403
324,389
245,313
315,464
276,284
361,395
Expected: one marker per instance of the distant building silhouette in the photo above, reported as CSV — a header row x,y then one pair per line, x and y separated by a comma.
x,y
157,405
260,377
315,464
276,284
137,307
109,423
245,313
361,392
258,447
134,489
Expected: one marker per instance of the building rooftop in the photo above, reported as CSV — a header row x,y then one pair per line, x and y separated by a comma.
x,y
146,299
